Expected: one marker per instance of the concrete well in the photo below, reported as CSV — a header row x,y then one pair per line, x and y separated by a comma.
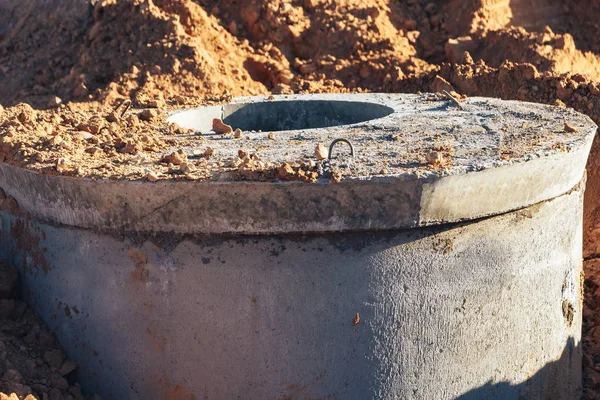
x,y
463,281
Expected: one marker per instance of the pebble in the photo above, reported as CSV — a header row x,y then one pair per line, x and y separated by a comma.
x,y
59,382
209,152
54,102
220,127
152,176
187,167
148,114
321,152
410,24
62,165
434,158
82,135
54,358
569,128
130,148
67,368
176,158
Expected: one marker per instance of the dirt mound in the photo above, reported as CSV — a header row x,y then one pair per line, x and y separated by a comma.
x,y
177,47
120,48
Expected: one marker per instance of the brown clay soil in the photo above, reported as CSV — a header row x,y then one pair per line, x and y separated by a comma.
x,y
73,64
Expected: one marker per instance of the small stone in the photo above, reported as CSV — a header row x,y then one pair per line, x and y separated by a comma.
x,y
59,382
12,375
176,157
54,358
187,167
431,8
321,152
435,158
93,150
62,165
56,140
271,136
156,103
39,388
410,24
356,319
569,128
27,115
67,368
220,127
54,102
152,176
209,152
179,99
82,135
113,116
8,279
80,90
309,4
55,394
130,148
285,170
233,28
237,133
30,364
336,176
148,114
45,340
75,392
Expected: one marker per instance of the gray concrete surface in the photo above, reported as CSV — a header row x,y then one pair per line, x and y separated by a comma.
x,y
545,162
473,310
420,284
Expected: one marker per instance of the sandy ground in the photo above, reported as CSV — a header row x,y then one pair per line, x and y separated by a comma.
x,y
73,62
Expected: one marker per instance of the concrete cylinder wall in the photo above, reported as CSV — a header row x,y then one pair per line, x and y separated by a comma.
x,y
484,309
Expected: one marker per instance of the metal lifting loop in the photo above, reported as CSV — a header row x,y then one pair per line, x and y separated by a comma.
x,y
337,141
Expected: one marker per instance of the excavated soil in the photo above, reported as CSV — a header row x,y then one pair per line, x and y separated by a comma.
x,y
72,64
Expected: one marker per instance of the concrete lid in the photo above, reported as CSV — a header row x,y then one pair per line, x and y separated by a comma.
x,y
489,157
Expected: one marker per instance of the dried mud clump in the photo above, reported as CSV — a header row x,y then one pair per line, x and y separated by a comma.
x,y
32,364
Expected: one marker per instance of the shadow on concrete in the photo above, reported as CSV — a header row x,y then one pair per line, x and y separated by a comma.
x,y
556,380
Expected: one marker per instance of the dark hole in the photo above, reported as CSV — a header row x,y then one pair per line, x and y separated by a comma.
x,y
302,114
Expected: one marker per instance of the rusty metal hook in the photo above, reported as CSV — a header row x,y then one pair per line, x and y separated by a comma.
x,y
126,104
453,99
341,140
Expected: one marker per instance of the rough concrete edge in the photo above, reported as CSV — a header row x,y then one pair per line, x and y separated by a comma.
x,y
503,189
405,201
